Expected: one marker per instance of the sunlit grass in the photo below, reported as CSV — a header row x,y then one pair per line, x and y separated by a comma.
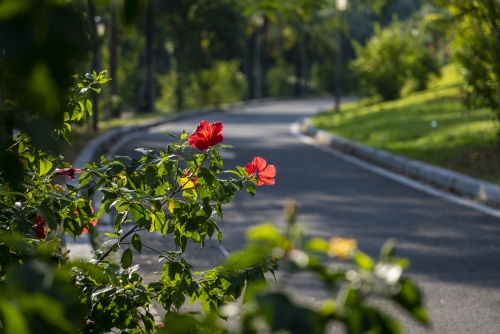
x,y
433,126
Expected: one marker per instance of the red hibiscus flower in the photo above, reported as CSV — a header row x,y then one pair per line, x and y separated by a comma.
x,y
38,228
264,173
206,135
93,222
69,172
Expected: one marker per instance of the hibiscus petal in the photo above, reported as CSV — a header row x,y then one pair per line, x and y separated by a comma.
x,y
218,139
265,181
193,138
203,126
197,142
217,128
250,168
259,164
268,172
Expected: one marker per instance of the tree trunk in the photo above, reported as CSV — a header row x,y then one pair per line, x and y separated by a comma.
x,y
257,62
113,61
179,89
298,69
95,61
147,101
264,56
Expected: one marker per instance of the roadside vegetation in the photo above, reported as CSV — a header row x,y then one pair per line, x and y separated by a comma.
x,y
433,126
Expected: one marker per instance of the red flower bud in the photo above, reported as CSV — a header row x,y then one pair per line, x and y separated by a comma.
x,y
38,228
67,172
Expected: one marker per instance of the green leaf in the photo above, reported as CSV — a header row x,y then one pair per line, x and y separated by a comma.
x,y
13,319
45,166
282,315
170,135
115,168
137,242
388,248
151,176
263,232
410,298
88,106
84,178
363,260
119,219
127,257
47,215
250,188
316,245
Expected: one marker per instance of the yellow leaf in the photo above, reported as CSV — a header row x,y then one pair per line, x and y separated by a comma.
x,y
124,178
171,206
185,183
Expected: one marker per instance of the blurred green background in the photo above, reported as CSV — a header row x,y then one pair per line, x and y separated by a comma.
x,y
167,56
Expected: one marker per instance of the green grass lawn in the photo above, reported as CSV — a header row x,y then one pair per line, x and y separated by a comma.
x,y
431,126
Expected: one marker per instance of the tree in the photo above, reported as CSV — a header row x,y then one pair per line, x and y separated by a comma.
x,y
203,32
391,59
476,32
113,59
147,100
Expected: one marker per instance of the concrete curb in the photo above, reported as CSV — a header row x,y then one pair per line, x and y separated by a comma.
x,y
452,181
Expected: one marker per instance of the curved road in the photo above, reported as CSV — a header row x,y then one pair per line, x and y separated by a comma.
x,y
455,251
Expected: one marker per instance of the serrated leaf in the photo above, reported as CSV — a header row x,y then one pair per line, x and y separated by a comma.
x,y
88,106
151,176
170,135
84,178
127,257
137,242
251,190
45,166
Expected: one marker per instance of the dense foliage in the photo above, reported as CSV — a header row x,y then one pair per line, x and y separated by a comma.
x,y
475,29
393,58
179,193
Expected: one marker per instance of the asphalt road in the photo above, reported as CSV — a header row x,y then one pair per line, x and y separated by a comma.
x,y
455,251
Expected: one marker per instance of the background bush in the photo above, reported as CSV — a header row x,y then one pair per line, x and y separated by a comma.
x,y
394,56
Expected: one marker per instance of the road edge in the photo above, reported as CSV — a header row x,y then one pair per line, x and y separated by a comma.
x,y
451,181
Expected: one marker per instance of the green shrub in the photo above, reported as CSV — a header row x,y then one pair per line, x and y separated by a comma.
x,y
278,79
223,83
392,59
476,31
